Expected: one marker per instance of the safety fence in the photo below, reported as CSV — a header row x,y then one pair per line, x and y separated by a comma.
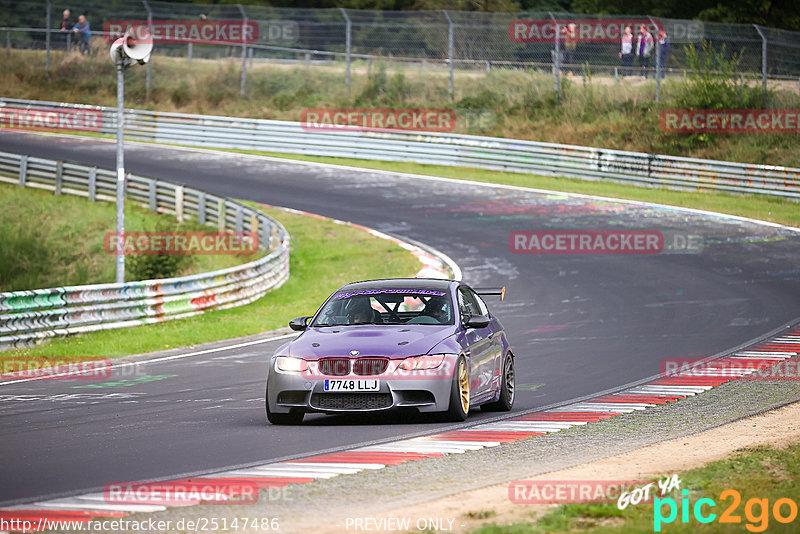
x,y
29,316
559,43
636,168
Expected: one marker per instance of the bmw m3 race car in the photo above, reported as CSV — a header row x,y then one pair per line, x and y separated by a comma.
x,y
424,344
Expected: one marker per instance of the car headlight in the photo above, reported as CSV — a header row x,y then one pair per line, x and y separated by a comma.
x,y
419,363
288,364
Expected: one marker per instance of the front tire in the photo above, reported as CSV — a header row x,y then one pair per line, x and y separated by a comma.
x,y
506,400
459,392
291,418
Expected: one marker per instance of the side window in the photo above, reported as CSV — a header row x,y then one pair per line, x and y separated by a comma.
x,y
466,302
482,308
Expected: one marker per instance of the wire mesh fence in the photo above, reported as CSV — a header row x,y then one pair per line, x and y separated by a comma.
x,y
559,44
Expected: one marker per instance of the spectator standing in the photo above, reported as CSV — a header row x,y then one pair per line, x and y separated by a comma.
x,y
66,22
66,26
644,49
627,51
663,50
84,33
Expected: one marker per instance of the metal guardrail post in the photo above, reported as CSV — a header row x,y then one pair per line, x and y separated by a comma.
x,y
69,41
150,62
23,170
201,208
221,215
556,57
347,45
450,51
763,62
179,203
239,219
47,39
152,196
189,53
244,50
93,184
59,177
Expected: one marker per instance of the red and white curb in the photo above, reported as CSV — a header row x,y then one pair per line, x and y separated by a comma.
x,y
665,389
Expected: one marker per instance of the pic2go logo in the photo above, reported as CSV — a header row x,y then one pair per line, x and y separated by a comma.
x,y
756,511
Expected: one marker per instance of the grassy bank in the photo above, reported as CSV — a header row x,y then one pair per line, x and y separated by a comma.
x,y
324,256
593,110
50,241
763,474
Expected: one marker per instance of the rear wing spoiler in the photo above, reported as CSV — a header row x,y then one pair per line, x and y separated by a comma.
x,y
495,291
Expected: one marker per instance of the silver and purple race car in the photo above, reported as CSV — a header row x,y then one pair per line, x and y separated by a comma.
x,y
424,344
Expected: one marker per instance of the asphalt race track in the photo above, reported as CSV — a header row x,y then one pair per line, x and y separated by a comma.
x,y
580,323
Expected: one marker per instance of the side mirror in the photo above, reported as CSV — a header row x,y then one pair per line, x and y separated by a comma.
x,y
477,321
299,323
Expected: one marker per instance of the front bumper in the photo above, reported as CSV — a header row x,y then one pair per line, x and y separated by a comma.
x,y
427,391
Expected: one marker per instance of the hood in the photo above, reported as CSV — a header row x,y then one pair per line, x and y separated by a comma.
x,y
393,341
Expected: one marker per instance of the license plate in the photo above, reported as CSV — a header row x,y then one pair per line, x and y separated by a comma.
x,y
352,385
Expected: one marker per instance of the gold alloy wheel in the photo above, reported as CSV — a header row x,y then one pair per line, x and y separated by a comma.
x,y
463,385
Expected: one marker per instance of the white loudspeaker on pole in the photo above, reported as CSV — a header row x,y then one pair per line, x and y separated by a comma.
x,y
135,45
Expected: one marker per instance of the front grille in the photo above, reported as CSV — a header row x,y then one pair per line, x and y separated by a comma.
x,y
351,401
334,366
370,366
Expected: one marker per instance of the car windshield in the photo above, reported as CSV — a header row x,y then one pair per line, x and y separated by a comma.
x,y
386,306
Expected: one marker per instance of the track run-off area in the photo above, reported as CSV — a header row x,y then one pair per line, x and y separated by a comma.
x,y
580,324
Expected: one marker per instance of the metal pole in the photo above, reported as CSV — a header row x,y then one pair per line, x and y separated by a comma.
x,y
450,53
244,51
763,62
120,268
190,53
149,63
348,43
658,61
557,58
69,41
47,40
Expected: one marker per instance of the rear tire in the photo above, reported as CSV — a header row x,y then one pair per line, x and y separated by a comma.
x,y
506,400
292,418
459,392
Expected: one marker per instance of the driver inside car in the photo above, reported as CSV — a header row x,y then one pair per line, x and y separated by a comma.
x,y
437,308
361,312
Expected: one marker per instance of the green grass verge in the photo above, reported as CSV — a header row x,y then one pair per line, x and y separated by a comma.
x,y
514,103
324,256
754,206
51,241
757,473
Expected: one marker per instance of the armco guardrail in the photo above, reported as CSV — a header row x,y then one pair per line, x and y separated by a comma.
x,y
28,316
649,170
